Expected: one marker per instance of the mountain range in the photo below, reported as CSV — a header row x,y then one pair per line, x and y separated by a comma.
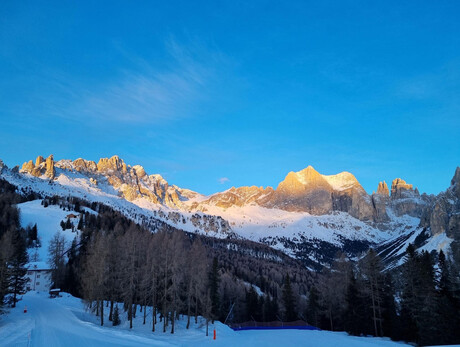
x,y
309,216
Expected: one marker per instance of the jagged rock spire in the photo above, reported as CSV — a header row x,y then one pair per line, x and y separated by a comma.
x,y
382,189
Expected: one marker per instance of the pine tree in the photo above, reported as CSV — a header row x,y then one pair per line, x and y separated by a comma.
x,y
116,317
71,280
68,224
448,305
17,265
313,307
355,311
6,252
371,270
214,280
252,305
288,301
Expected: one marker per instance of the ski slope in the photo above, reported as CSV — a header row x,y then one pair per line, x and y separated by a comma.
x,y
48,221
64,322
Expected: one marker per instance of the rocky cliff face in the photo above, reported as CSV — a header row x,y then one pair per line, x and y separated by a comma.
x,y
131,182
309,191
306,191
443,216
407,200
41,167
382,189
238,196
380,201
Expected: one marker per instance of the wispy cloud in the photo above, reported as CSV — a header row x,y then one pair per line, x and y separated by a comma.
x,y
143,93
223,180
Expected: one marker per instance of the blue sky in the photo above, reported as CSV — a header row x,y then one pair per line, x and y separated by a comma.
x,y
229,93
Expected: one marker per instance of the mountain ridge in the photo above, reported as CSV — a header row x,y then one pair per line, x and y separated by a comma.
x,y
305,213
303,191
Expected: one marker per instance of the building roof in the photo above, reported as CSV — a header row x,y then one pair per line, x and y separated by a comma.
x,y
37,265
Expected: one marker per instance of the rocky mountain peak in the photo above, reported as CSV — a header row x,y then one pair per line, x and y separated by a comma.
x,y
308,175
382,189
49,166
342,181
400,189
40,167
456,178
112,164
455,182
139,170
305,180
84,165
39,160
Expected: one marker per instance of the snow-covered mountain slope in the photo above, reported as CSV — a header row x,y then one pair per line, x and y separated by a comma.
x,y
342,215
48,221
439,228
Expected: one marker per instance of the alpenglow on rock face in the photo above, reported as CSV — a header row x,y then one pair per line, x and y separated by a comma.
x,y
41,167
303,191
382,189
309,191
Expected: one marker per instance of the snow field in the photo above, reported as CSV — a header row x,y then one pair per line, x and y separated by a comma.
x,y
48,221
65,322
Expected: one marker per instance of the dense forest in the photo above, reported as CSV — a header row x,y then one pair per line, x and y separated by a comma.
x,y
116,261
14,242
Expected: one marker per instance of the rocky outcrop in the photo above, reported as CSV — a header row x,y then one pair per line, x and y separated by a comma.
x,y
444,214
39,161
400,189
49,166
455,183
28,166
2,165
238,196
380,202
41,167
113,164
85,165
306,191
382,189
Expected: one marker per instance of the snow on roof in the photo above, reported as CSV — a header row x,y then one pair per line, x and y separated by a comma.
x,y
37,265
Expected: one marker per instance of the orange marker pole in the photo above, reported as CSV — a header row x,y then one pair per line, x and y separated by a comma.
x,y
25,309
214,334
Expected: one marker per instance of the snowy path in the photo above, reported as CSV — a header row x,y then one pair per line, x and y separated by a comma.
x,y
64,322
49,323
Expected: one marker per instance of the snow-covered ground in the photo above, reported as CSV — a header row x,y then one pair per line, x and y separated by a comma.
x,y
48,221
64,322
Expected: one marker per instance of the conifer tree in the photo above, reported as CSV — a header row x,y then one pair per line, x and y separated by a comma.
x,y
116,317
448,305
354,312
17,265
313,307
288,301
214,280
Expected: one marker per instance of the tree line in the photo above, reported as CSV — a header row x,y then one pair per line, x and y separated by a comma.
x,y
14,241
418,301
